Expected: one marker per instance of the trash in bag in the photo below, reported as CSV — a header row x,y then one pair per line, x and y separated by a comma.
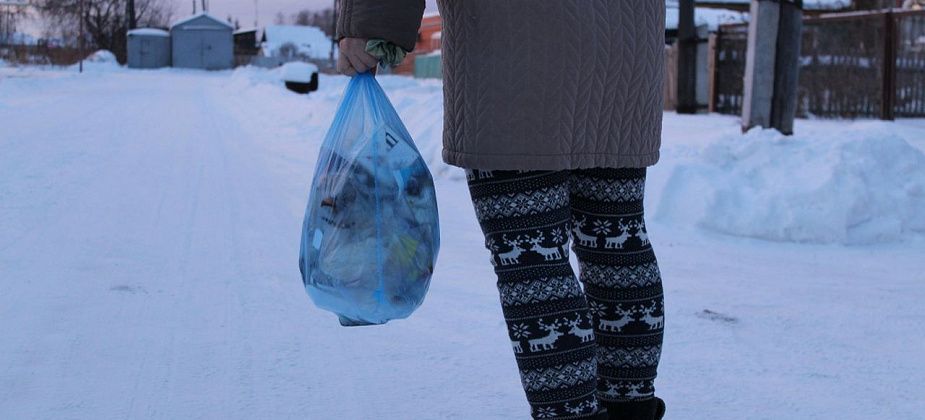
x,y
371,232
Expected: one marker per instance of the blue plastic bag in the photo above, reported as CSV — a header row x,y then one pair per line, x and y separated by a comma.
x,y
371,233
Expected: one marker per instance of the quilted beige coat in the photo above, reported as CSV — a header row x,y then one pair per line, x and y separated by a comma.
x,y
538,84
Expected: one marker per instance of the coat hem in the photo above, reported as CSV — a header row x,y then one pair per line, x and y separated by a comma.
x,y
548,162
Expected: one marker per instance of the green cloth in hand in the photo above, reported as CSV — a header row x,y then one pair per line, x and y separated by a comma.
x,y
387,52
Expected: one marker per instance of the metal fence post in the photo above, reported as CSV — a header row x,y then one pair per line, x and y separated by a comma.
x,y
711,71
687,59
772,64
759,63
787,65
888,94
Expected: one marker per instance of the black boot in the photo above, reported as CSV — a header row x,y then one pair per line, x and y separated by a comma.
x,y
651,409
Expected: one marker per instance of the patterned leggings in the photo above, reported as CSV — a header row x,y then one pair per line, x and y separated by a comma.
x,y
574,348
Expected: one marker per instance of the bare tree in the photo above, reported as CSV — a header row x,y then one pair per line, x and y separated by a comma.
x,y
10,16
323,19
105,21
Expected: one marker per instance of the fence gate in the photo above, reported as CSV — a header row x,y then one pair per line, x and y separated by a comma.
x,y
910,64
729,68
852,65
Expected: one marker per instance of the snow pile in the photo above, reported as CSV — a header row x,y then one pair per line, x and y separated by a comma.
x,y
807,4
307,41
149,32
102,57
299,72
101,61
850,187
712,18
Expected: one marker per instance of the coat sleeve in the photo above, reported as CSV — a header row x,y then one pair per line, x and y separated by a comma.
x,y
396,21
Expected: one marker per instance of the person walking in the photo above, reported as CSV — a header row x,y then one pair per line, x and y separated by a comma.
x,y
554,110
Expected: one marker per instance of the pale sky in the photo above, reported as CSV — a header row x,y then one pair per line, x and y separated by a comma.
x,y
241,9
244,9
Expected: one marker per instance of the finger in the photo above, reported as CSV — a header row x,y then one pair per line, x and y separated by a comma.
x,y
358,64
347,70
359,55
351,64
368,59
343,64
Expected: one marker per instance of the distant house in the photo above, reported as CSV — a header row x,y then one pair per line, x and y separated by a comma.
x,y
245,41
202,41
245,46
295,42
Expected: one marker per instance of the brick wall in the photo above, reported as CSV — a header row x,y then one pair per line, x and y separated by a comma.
x,y
428,41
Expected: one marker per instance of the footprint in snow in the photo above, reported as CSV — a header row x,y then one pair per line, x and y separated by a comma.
x,y
128,289
717,316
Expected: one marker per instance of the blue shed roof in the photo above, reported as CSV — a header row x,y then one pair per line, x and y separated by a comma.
x,y
205,15
149,32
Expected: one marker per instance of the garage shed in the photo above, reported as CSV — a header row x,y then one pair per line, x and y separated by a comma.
x,y
148,48
202,42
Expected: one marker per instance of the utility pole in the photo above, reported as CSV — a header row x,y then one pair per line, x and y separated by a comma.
x,y
333,34
687,58
130,14
772,64
80,36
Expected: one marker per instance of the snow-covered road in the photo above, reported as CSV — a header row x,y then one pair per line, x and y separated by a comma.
x,y
149,230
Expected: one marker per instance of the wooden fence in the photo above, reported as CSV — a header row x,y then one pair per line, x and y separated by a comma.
x,y
730,46
671,77
39,54
852,65
909,99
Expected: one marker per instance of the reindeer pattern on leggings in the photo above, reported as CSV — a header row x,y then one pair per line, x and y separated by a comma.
x,y
575,346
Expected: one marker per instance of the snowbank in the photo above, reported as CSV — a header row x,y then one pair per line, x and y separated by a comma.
x,y
297,71
99,61
309,41
807,4
102,57
712,18
850,187
149,32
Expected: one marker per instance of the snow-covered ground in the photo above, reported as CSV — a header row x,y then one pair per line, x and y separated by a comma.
x,y
150,225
